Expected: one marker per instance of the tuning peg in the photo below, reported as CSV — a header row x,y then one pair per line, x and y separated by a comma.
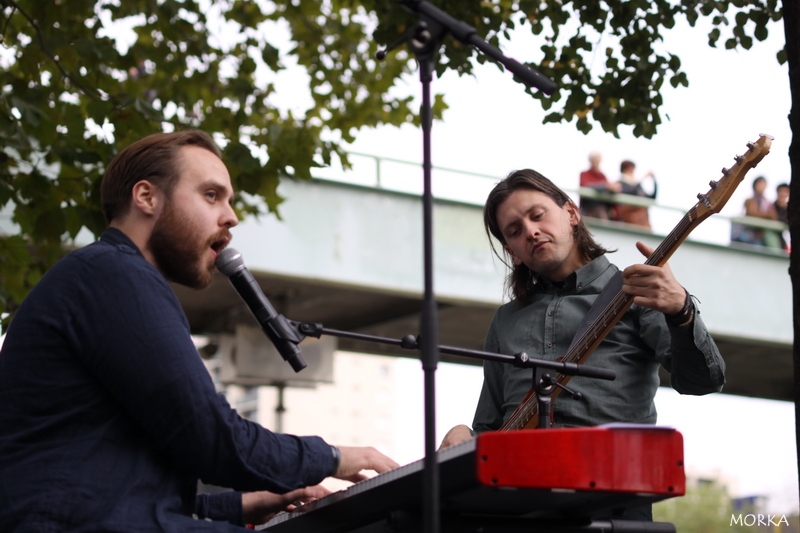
x,y
713,184
738,159
751,146
704,198
725,171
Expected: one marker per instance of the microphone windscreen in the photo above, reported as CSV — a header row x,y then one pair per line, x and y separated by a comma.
x,y
229,261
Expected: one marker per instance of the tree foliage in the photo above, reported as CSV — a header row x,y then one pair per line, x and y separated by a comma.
x,y
608,58
81,78
74,88
706,508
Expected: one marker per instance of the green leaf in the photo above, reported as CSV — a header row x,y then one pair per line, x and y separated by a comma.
x,y
713,37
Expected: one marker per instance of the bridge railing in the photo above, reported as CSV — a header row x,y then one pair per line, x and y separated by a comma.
x,y
473,187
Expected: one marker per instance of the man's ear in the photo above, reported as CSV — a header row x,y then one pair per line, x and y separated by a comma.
x,y
514,258
574,213
145,198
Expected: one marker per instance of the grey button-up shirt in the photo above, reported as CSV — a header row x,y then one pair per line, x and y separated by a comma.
x,y
634,349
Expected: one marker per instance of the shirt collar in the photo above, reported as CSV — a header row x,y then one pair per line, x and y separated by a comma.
x,y
583,277
118,239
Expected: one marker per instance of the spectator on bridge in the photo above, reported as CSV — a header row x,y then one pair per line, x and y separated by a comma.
x,y
557,272
629,184
782,202
782,210
757,206
593,178
108,416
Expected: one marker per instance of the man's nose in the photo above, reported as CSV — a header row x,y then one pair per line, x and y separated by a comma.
x,y
531,230
229,217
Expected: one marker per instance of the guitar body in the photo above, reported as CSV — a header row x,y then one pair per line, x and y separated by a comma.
x,y
526,415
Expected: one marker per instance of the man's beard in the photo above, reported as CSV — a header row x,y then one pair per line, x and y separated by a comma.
x,y
177,252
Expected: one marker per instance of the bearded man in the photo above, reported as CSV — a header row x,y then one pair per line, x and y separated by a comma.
x,y
108,416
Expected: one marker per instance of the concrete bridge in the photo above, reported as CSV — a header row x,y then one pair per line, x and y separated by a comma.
x,y
350,257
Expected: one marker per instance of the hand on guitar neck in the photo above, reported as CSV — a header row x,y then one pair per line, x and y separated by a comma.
x,y
653,286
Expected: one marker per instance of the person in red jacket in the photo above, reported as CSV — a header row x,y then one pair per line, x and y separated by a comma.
x,y
594,178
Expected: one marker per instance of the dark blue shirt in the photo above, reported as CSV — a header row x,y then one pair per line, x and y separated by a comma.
x,y
108,416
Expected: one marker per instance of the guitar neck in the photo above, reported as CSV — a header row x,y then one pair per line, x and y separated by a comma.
x,y
583,347
676,237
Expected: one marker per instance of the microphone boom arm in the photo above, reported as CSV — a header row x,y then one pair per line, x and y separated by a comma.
x,y
410,342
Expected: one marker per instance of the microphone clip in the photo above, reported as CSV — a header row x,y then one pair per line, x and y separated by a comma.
x,y
381,54
419,37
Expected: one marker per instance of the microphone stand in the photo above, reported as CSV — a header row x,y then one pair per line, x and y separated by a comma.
x,y
424,40
543,383
520,359
425,43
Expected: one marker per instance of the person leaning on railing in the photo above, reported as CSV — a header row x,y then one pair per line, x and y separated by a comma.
x,y
782,210
757,207
630,185
597,205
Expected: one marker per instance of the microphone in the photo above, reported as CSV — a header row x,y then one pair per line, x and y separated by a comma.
x,y
277,327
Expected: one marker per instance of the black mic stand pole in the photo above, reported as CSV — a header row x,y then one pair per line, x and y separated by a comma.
x,y
424,42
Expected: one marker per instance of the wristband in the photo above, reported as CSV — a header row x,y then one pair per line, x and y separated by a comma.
x,y
685,316
337,459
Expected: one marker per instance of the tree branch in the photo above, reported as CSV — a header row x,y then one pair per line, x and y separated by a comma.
x,y
49,54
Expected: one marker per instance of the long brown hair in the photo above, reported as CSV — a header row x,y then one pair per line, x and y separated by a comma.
x,y
153,158
521,281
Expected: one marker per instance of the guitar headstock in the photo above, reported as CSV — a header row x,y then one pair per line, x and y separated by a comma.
x,y
716,198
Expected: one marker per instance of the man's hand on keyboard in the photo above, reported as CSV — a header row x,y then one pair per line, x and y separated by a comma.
x,y
356,459
259,507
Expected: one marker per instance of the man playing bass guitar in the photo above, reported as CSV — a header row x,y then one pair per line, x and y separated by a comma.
x,y
557,273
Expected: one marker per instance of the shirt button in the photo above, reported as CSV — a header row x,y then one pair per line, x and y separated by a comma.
x,y
580,285
549,313
549,344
